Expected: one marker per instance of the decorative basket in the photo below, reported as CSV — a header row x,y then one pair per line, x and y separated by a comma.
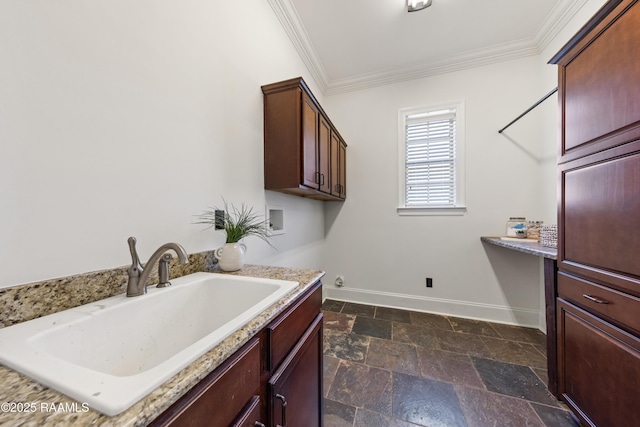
x,y
549,236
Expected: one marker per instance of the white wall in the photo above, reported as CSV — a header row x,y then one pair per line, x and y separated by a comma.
x,y
124,117
385,258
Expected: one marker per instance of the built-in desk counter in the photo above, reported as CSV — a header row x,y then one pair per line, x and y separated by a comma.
x,y
523,245
550,292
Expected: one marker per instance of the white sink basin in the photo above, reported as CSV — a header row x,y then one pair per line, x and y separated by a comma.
x,y
113,352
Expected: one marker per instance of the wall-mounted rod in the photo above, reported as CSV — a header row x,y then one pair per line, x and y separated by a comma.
x,y
529,109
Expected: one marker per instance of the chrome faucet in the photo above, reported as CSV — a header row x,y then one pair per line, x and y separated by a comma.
x,y
138,276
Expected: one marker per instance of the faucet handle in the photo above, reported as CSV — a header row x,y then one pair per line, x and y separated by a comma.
x,y
163,271
135,260
135,269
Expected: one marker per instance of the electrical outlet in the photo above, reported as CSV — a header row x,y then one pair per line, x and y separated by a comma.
x,y
429,282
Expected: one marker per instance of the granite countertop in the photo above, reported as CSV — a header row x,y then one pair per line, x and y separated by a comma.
x,y
528,247
47,407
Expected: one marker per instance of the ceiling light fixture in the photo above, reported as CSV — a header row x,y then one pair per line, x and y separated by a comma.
x,y
415,5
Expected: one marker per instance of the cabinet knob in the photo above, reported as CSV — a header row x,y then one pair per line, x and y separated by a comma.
x,y
284,409
594,299
258,424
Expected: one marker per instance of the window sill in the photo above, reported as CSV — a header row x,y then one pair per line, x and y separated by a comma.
x,y
435,211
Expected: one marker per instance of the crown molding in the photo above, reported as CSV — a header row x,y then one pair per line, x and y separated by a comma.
x,y
292,24
557,19
473,59
550,27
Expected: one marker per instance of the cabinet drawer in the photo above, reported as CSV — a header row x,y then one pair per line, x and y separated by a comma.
x,y
285,331
218,399
620,308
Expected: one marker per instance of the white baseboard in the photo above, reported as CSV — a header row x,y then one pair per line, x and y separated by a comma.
x,y
466,309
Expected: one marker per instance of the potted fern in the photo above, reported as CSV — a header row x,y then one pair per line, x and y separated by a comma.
x,y
237,224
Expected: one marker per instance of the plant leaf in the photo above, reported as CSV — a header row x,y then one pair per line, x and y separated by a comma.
x,y
238,222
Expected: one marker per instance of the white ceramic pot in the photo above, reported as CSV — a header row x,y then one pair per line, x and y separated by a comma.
x,y
231,256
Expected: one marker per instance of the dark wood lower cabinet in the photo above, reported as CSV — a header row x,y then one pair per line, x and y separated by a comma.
x,y
598,367
273,380
295,389
218,399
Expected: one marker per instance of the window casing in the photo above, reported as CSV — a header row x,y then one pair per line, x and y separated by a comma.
x,y
431,160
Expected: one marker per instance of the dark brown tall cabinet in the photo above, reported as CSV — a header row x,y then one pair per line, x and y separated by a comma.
x,y
598,297
304,154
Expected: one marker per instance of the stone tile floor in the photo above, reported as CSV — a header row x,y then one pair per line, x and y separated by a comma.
x,y
388,367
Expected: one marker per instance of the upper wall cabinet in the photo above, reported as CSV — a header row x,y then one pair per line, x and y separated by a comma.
x,y
599,83
304,154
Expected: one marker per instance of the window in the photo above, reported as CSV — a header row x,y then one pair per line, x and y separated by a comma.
x,y
431,152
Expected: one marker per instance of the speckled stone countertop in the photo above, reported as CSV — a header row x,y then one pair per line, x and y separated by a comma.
x,y
532,248
55,409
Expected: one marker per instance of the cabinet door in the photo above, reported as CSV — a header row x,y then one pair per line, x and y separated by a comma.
x,y
338,166
599,221
599,82
295,389
342,167
335,164
324,136
598,367
309,143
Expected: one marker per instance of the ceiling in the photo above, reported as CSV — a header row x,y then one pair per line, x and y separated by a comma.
x,y
353,44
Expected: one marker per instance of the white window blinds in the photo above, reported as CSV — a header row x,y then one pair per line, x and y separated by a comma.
x,y
430,161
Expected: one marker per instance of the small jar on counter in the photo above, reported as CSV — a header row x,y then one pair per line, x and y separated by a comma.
x,y
516,223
